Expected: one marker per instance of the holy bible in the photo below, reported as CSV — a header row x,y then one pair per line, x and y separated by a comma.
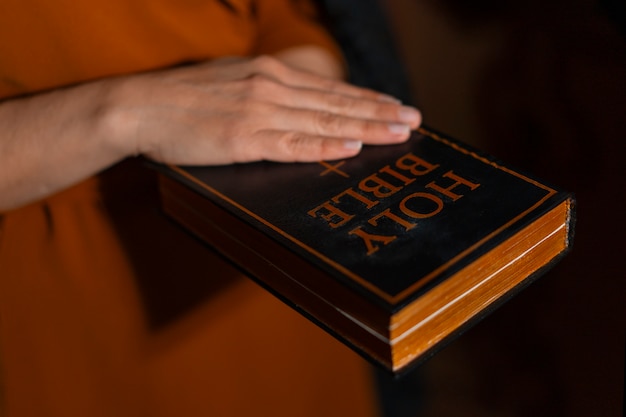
x,y
394,251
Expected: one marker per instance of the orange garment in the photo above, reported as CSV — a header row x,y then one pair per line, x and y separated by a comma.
x,y
106,308
47,44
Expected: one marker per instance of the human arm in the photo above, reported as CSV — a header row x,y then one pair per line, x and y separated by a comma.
x,y
214,113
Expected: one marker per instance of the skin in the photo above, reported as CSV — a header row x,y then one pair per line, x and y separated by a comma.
x,y
285,108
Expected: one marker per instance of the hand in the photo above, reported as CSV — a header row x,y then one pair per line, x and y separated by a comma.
x,y
230,110
241,110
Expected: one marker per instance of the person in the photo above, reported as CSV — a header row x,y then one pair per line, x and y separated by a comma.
x,y
105,307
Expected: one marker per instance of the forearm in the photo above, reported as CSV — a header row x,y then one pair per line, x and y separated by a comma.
x,y
51,141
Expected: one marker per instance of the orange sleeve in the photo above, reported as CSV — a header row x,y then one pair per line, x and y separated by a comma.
x,y
284,24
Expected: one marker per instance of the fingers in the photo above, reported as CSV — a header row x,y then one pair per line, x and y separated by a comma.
x,y
349,106
283,134
261,104
326,106
267,79
289,146
331,124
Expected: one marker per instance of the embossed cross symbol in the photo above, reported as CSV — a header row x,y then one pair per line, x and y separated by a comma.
x,y
330,168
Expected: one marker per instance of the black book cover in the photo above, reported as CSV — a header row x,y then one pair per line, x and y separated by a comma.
x,y
393,251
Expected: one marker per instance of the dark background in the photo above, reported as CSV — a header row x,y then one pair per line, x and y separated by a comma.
x,y
542,85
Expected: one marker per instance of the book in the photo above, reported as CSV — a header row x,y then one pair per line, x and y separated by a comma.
x,y
395,252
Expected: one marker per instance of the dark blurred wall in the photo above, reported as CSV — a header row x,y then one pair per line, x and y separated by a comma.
x,y
543,86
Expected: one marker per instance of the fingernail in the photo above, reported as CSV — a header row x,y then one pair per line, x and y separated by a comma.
x,y
352,144
398,129
409,114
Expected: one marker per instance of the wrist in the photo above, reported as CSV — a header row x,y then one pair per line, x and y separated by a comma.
x,y
113,121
